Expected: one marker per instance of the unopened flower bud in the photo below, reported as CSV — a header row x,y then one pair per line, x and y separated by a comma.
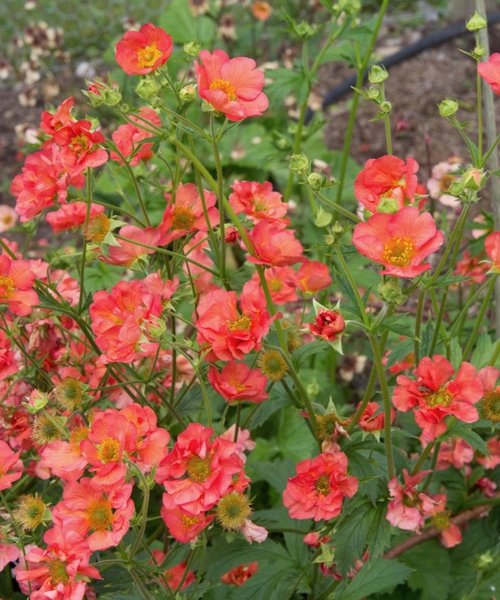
x,y
387,205
378,74
391,293
187,93
299,163
448,107
479,51
316,181
147,88
192,48
303,30
472,179
373,93
385,107
337,228
476,22
484,561
36,401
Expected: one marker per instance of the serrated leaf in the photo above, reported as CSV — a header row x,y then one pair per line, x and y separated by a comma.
x,y
399,324
463,430
455,353
427,336
307,350
399,352
483,351
378,575
431,574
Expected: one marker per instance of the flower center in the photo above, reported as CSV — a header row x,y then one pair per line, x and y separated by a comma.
x,y
198,469
183,218
441,521
232,510
7,286
189,521
78,435
445,182
439,398
109,450
98,228
273,365
399,251
275,284
224,86
491,405
100,515
57,571
243,323
80,143
322,485
147,56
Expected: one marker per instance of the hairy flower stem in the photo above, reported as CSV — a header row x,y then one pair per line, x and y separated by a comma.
x,y
377,357
144,511
220,199
479,319
418,324
422,458
361,67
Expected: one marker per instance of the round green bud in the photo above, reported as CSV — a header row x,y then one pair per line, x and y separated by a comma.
x,y
476,22
378,74
448,107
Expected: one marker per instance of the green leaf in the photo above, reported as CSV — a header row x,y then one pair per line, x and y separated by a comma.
x,y
179,22
294,437
399,352
427,339
483,352
400,324
464,431
431,564
455,353
378,575
99,276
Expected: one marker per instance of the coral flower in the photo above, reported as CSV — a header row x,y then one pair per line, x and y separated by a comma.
x,y
328,324
59,572
182,524
274,244
313,276
102,518
143,51
238,382
129,138
437,393
11,467
319,488
238,575
409,507
72,216
492,248
450,534
400,241
386,184
454,453
373,418
52,122
80,147
282,283
257,200
16,286
232,86
185,213
227,332
138,244
489,70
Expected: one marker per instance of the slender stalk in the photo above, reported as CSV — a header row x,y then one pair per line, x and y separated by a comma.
x,y
418,324
220,200
422,458
479,319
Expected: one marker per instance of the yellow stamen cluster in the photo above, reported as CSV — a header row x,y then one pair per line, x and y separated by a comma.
x,y
232,510
224,86
399,251
273,365
31,511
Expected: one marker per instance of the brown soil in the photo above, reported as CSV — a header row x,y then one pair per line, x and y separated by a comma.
x,y
415,88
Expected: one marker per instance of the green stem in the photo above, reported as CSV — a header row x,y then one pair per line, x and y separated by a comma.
x,y
364,402
337,207
377,357
348,275
84,242
422,458
144,511
479,319
418,324
439,320
220,200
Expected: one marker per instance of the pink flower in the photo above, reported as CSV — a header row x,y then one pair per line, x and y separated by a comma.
x,y
450,535
257,200
182,524
243,442
319,488
493,459
472,267
199,471
409,507
80,147
143,51
454,453
129,138
16,286
315,539
386,184
434,394
282,284
138,244
254,533
489,70
238,575
52,122
328,324
373,418
443,175
232,86
8,218
487,486
237,382
228,332
8,553
399,241
72,216
59,572
11,467
175,575
274,244
313,276
185,213
100,517
64,459
492,248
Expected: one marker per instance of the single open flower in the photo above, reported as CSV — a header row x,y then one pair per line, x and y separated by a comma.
x,y
143,51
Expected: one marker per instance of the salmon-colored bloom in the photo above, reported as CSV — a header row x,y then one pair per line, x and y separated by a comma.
x,y
129,138
200,470
472,267
328,324
313,276
72,216
437,393
237,382
232,86
64,459
319,488
60,571
257,200
489,70
229,332
386,184
373,418
185,214
282,283
450,534
492,248
8,362
399,241
44,179
261,10
11,467
454,453
143,51
16,286
138,244
274,244
409,507
50,123
238,575
100,517
175,575
81,148
8,218
492,460
182,524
